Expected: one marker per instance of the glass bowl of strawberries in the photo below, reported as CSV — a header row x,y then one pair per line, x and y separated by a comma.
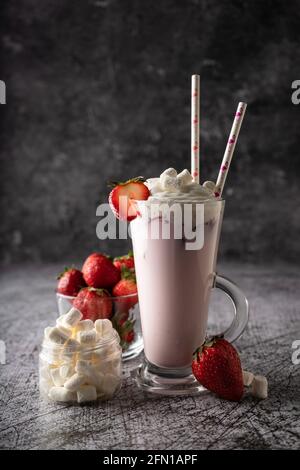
x,y
105,288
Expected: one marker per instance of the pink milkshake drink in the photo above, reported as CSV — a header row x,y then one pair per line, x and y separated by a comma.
x,y
176,271
175,279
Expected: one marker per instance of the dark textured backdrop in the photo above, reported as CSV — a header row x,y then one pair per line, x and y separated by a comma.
x,y
100,89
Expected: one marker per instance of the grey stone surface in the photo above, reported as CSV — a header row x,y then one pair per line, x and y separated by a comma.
x,y
132,420
101,89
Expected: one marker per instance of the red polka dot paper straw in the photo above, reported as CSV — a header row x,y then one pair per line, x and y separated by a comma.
x,y
195,127
233,137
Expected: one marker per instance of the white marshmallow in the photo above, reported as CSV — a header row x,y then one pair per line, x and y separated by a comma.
x,y
74,382
54,356
86,393
85,325
110,384
169,183
88,338
103,327
100,355
169,172
68,354
259,387
247,378
72,345
62,327
56,377
154,185
57,336
82,366
209,185
66,371
61,394
72,318
92,375
86,355
184,178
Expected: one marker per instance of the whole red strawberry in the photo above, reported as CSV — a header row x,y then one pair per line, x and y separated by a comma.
x,y
217,367
122,197
70,281
125,287
93,303
126,261
99,271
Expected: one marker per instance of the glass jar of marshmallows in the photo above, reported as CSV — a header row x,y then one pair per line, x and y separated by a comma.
x,y
80,361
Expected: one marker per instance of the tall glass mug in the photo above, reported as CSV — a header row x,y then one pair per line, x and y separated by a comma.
x,y
175,250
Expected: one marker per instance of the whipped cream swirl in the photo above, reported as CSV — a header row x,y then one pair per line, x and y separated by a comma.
x,y
179,187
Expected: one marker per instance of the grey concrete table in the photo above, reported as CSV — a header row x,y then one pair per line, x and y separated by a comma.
x,y
132,420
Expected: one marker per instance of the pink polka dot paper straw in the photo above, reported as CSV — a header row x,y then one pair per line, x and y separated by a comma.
x,y
233,137
195,127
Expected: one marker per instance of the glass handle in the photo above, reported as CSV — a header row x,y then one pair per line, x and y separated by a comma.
x,y
241,308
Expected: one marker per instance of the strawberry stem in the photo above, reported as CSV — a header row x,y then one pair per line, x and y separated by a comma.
x,y
137,179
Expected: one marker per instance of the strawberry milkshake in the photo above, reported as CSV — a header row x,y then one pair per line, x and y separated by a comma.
x,y
174,281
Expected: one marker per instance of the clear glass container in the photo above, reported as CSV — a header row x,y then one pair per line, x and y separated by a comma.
x,y
78,374
125,319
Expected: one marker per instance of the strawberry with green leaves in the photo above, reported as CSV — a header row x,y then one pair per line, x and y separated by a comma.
x,y
70,281
99,272
126,261
122,197
125,287
94,303
217,367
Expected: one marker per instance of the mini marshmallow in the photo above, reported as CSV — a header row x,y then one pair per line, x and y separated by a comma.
x,y
85,355
92,375
57,336
209,185
184,178
72,318
103,327
61,394
86,393
66,371
110,383
153,184
62,327
88,338
259,387
72,345
81,365
247,378
170,172
56,377
168,183
100,355
85,325
74,382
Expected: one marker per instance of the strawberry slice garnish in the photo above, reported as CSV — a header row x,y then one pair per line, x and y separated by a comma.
x,y
122,197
